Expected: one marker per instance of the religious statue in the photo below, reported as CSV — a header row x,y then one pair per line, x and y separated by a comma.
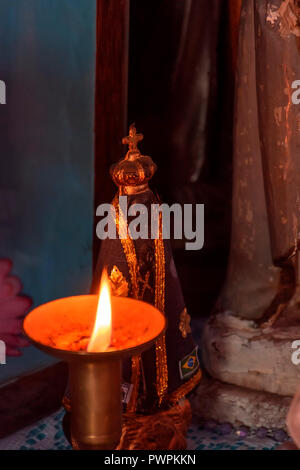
x,y
259,306
156,382
262,282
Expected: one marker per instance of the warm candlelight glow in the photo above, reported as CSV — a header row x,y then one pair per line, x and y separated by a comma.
x,y
101,335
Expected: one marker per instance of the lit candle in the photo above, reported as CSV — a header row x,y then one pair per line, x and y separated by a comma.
x,y
101,335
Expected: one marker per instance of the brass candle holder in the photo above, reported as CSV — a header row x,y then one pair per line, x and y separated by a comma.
x,y
95,377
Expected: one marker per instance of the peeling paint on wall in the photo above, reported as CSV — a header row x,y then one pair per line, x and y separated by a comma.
x,y
286,17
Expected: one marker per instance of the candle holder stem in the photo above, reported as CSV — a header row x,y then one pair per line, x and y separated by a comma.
x,y
96,416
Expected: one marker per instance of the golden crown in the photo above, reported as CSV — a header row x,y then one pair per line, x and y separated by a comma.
x,y
133,172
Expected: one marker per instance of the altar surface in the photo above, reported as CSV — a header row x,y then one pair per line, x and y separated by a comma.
x,y
47,434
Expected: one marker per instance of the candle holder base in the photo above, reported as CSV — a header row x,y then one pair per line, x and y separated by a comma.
x,y
164,430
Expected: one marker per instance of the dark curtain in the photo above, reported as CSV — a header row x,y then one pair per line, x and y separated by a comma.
x,y
181,86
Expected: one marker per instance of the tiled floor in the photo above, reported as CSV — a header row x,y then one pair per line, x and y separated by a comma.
x,y
47,434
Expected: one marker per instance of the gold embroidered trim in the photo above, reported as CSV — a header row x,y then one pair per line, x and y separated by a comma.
x,y
130,255
159,275
185,388
160,348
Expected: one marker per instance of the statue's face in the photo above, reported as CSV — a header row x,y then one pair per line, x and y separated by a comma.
x,y
293,419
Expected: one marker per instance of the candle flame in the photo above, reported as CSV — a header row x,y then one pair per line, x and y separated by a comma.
x,y
101,335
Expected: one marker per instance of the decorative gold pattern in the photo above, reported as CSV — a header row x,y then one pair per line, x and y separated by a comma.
x,y
128,248
184,325
185,388
118,283
145,284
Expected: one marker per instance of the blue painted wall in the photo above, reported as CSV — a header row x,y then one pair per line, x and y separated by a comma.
x,y
47,61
